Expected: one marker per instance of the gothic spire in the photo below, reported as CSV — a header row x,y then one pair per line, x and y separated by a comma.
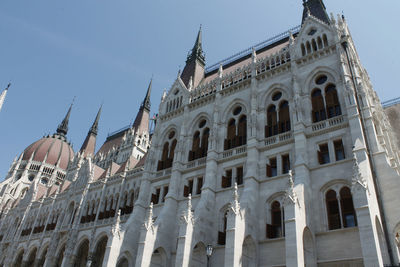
x,y
195,63
3,95
62,128
315,8
89,144
197,50
95,126
146,104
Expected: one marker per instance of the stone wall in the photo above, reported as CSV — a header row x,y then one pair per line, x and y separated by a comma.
x,y
393,113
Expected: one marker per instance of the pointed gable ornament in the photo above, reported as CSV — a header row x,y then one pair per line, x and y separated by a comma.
x,y
148,224
116,228
253,55
220,71
358,182
290,195
187,216
235,205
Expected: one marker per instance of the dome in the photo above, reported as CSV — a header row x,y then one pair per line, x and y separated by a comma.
x,y
55,147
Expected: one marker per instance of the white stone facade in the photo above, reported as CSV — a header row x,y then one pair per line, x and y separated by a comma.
x,y
317,188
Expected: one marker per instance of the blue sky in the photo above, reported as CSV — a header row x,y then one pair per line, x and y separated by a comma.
x,y
107,51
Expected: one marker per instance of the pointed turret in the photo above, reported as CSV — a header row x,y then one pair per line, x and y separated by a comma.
x,y
315,8
195,63
3,95
146,104
141,123
89,145
62,128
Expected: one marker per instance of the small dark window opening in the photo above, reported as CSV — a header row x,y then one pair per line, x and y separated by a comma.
x,y
332,207
321,79
199,185
323,154
227,179
239,175
339,150
348,212
276,96
285,164
202,124
165,193
237,111
272,168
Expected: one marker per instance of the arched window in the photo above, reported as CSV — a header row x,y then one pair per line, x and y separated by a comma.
x,y
340,214
195,146
325,39
303,50
167,156
332,101
236,130
222,234
284,117
319,42
272,122
332,208
204,142
308,47
314,45
200,142
318,107
277,227
348,212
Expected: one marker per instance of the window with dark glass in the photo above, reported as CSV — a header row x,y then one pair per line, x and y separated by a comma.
x,y
332,208
285,164
318,107
188,189
332,101
165,193
227,179
284,117
239,175
277,227
199,185
323,154
339,149
272,168
272,122
348,212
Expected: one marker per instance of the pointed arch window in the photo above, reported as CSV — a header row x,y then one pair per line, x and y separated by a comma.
x,y
341,214
318,107
332,101
284,117
277,227
168,153
272,122
222,234
236,130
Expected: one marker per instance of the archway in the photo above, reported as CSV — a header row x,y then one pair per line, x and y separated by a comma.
x,y
159,258
60,256
83,251
100,249
199,257
32,257
18,259
310,259
42,258
123,262
248,258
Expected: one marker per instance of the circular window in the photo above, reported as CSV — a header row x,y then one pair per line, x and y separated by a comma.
x,y
276,96
237,111
31,177
321,79
202,123
44,181
171,135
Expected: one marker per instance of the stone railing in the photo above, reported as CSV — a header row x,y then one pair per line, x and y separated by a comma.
x,y
273,61
318,126
237,76
276,139
164,172
203,90
234,152
196,163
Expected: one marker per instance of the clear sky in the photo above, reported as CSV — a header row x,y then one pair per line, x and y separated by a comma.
x,y
107,51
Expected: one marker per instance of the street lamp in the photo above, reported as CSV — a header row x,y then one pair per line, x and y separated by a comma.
x,y
209,251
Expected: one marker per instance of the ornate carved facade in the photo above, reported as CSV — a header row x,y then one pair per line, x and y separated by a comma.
x,y
280,156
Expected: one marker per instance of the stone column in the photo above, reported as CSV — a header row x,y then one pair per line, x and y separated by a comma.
x,y
234,233
146,241
185,237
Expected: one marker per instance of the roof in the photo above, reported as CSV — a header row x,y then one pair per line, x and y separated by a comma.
x,y
56,148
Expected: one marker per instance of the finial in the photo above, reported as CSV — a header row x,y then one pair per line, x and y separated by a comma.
x,y
149,220
220,70
189,204
254,55
95,125
190,83
146,104
62,129
8,86
291,37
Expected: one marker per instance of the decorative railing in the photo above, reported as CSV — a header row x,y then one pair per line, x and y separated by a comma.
x,y
273,61
204,90
327,123
278,138
237,76
164,172
234,152
196,163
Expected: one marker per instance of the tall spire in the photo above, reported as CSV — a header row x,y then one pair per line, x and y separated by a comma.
x,y
62,128
197,50
146,101
3,95
95,126
89,145
195,63
317,9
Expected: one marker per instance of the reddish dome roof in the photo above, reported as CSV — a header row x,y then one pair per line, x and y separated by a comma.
x,y
55,147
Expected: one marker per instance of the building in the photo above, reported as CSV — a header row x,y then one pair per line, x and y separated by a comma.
x,y
280,156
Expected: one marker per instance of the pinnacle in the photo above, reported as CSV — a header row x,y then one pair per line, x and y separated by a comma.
x,y
62,128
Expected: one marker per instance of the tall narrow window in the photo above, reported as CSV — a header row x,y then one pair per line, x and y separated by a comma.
x,y
323,154
204,142
222,234
199,185
339,149
348,212
285,164
318,108
194,153
272,122
272,168
231,133
284,117
227,179
277,228
188,189
332,208
165,193
332,101
239,175
242,130
156,197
